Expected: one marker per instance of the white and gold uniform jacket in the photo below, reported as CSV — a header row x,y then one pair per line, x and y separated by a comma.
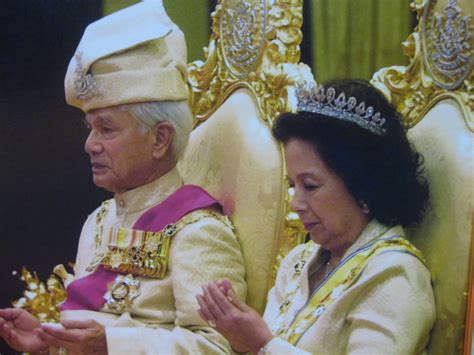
x,y
163,319
389,309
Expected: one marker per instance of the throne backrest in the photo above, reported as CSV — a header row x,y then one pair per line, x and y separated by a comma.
x,y
234,157
245,81
435,95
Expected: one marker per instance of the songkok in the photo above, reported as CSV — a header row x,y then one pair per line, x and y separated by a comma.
x,y
134,55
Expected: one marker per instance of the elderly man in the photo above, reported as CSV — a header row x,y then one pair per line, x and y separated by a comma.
x,y
144,254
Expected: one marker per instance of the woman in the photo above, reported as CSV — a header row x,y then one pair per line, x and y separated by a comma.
x,y
358,286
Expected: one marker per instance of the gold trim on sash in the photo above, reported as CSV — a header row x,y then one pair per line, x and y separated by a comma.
x,y
98,230
338,281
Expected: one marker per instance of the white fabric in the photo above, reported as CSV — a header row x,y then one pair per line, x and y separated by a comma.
x,y
446,233
235,158
134,55
124,29
164,318
389,310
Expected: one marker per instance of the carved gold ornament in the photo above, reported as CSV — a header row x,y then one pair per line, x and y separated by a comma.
x,y
435,66
447,41
41,299
253,45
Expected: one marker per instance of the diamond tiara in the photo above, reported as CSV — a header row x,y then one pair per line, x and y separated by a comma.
x,y
317,99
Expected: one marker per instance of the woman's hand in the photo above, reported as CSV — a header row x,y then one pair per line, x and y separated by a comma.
x,y
241,325
21,330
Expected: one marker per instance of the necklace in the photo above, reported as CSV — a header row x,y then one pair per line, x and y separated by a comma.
x,y
326,264
328,269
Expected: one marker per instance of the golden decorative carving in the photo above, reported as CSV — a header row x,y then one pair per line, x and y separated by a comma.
x,y
39,299
412,89
267,65
448,53
254,44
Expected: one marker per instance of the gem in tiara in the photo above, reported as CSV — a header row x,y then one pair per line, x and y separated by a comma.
x,y
317,99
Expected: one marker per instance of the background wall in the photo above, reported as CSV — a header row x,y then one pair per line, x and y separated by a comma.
x,y
45,179
354,38
45,175
341,38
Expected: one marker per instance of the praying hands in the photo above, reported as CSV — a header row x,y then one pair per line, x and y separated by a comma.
x,y
240,324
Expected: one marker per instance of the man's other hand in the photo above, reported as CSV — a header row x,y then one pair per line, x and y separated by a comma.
x,y
21,330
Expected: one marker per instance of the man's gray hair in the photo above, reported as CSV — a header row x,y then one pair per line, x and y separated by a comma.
x,y
178,113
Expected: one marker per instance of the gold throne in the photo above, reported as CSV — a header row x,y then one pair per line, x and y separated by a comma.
x,y
435,93
246,79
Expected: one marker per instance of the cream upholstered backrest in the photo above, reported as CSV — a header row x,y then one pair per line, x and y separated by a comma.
x,y
247,79
234,157
445,236
435,94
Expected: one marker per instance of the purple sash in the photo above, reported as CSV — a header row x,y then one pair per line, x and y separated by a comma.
x,y
87,293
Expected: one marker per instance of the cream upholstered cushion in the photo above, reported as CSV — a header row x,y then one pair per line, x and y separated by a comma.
x,y
446,232
234,157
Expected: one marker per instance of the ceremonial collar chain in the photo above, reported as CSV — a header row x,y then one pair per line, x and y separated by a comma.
x,y
318,99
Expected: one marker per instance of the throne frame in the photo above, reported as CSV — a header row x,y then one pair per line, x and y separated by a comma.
x,y
440,71
254,48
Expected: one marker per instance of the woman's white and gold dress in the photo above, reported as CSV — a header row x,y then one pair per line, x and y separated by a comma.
x,y
379,300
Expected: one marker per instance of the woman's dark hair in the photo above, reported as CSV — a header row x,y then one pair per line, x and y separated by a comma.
x,y
381,170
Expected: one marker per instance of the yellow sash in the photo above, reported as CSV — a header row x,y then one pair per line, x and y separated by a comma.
x,y
340,280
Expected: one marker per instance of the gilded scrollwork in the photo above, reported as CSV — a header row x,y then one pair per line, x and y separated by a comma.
x,y
258,50
254,44
446,41
39,298
413,89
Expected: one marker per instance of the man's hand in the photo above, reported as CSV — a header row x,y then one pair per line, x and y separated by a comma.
x,y
21,330
241,325
77,337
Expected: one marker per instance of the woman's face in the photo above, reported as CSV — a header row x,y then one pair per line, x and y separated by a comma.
x,y
327,209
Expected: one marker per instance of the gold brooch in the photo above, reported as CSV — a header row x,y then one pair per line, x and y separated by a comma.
x,y
122,292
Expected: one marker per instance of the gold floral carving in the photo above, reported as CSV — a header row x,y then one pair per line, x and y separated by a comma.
x,y
412,89
267,65
254,45
41,299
